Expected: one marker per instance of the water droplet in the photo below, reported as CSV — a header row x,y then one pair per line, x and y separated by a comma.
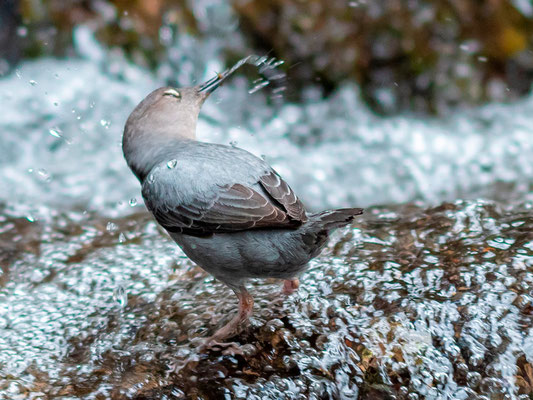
x,y
22,31
165,35
120,296
56,75
172,164
151,178
470,46
258,86
44,175
482,59
18,73
277,77
56,103
133,202
122,238
33,83
104,123
233,143
30,218
111,226
56,132
258,61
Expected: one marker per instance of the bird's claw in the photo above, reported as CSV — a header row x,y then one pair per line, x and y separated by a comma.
x,y
290,286
226,348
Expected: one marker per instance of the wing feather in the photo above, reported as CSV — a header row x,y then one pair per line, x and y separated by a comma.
x,y
233,208
261,201
281,192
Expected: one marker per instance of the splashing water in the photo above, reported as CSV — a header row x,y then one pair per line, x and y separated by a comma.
x,y
431,302
351,156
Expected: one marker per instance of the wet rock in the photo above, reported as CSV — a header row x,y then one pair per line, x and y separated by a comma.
x,y
409,302
131,27
9,21
19,236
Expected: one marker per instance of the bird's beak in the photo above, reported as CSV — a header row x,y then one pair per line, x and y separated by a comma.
x,y
209,86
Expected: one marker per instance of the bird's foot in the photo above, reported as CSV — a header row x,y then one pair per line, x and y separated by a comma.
x,y
226,348
232,328
290,286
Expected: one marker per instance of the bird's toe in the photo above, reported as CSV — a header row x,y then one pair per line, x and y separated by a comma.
x,y
290,286
226,348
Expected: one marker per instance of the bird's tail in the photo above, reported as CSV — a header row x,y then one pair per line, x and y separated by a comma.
x,y
333,219
315,232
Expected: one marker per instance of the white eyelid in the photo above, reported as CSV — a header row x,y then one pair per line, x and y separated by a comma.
x,y
172,92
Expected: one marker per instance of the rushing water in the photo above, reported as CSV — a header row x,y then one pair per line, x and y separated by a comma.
x,y
62,123
412,301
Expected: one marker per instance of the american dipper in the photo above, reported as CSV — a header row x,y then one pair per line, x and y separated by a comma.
x,y
229,211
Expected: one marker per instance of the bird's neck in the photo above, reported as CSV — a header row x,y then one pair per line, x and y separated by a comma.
x,y
143,155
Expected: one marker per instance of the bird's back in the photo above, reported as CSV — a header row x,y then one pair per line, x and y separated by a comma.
x,y
203,165
203,188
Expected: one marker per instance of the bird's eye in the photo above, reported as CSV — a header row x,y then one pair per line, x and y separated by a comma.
x,y
173,93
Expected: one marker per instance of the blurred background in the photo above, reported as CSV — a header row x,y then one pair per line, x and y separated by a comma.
x,y
373,102
419,110
417,55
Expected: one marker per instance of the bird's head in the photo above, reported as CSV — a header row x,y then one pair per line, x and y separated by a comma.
x,y
165,116
171,112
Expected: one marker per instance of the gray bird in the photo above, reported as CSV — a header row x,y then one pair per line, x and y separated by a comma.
x,y
229,211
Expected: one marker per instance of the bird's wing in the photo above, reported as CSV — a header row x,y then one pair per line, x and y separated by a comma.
x,y
181,203
276,187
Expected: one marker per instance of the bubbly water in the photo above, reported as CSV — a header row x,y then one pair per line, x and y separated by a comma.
x,y
431,304
95,302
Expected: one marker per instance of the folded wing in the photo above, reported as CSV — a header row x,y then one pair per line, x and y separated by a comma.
x,y
268,203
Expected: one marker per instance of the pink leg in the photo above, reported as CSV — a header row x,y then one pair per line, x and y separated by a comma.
x,y
246,304
290,286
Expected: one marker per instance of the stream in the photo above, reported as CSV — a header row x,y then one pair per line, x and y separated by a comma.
x,y
429,295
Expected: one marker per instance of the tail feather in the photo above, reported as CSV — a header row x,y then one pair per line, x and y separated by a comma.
x,y
332,219
316,231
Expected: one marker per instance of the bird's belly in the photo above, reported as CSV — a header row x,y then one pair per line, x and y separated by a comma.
x,y
233,257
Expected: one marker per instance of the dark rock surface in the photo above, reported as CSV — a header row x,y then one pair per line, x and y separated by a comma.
x,y
408,303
